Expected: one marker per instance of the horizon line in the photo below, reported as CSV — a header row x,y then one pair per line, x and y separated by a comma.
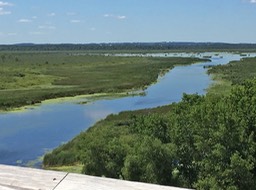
x,y
100,43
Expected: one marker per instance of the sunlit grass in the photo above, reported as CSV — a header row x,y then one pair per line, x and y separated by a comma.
x,y
220,86
30,77
77,168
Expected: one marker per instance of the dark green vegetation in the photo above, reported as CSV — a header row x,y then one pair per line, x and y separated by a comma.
x,y
231,74
30,77
203,142
134,47
236,71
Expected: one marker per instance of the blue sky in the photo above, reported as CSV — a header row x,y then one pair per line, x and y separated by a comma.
x,y
95,21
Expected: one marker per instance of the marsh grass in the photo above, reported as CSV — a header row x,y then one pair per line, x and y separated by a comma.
x,y
219,86
236,72
29,77
70,169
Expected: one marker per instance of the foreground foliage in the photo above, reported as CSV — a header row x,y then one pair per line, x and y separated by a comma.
x,y
202,142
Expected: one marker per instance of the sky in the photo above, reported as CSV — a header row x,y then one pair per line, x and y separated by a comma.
x,y
104,21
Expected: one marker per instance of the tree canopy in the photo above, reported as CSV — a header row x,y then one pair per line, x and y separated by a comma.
x,y
202,142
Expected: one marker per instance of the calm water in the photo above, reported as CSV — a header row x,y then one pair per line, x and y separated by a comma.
x,y
28,135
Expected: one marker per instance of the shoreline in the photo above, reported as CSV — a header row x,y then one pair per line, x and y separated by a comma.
x,y
91,97
78,167
219,86
126,92
77,99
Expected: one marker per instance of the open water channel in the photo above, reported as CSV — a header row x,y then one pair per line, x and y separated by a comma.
x,y
27,135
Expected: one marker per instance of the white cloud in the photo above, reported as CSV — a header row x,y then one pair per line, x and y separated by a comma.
x,y
34,17
2,10
5,4
8,34
52,14
36,33
75,21
23,20
250,1
120,17
71,13
107,15
92,29
47,27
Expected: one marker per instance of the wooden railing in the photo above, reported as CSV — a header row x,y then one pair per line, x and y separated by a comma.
x,y
19,178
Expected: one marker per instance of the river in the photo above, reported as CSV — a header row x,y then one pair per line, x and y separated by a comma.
x,y
26,136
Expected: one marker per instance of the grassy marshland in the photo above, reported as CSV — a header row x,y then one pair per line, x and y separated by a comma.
x,y
236,72
29,77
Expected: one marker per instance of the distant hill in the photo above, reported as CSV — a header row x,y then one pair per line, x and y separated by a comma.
x,y
164,46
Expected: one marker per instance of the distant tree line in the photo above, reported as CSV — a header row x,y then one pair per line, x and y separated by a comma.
x,y
164,46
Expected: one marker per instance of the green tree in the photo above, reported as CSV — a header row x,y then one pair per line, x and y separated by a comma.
x,y
152,162
152,125
104,158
